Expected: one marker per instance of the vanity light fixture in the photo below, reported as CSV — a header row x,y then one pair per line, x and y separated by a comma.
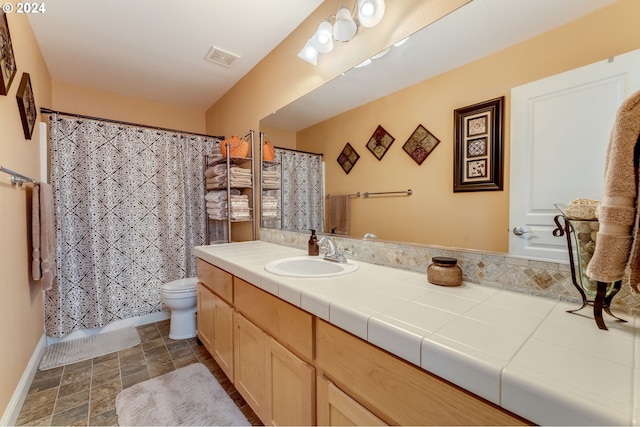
x,y
370,12
324,37
309,52
344,28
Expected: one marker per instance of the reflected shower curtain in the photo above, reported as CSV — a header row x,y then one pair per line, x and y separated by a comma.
x,y
302,190
129,207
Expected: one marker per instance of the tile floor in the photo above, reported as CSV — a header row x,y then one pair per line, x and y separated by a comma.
x,y
84,393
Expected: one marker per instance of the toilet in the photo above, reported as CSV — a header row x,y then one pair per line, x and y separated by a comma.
x,y
179,296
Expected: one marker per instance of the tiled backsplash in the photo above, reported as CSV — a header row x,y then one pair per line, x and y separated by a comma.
x,y
544,278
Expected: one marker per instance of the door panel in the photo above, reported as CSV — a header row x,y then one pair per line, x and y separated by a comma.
x,y
560,130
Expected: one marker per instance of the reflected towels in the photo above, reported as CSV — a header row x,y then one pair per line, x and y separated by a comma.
x,y
340,214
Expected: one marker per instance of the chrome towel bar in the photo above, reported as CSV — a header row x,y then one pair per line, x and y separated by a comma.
x,y
367,194
17,178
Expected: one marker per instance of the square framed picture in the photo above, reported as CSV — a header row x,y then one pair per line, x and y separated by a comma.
x,y
380,142
8,66
27,105
478,156
420,144
348,158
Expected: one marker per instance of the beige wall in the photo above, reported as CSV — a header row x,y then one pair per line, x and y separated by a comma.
x,y
434,214
98,103
21,303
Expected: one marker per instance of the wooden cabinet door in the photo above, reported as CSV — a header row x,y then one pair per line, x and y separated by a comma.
x,y
223,336
250,356
336,408
291,387
205,316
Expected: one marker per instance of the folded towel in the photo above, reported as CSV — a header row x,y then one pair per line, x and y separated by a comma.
x,y
617,249
220,169
216,179
213,196
43,266
340,214
216,205
271,174
239,171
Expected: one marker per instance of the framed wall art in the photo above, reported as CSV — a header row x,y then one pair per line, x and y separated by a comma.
x,y
348,158
27,105
380,142
420,144
478,155
8,66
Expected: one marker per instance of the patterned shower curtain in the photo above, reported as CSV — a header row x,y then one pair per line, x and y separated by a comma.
x,y
302,190
129,208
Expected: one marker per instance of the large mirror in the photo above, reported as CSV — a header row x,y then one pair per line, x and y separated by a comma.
x,y
479,52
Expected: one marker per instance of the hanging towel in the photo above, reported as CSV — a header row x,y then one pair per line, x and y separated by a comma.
x,y
339,214
43,265
617,249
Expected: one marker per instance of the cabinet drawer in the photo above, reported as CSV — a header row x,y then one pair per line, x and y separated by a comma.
x,y
216,279
288,324
395,390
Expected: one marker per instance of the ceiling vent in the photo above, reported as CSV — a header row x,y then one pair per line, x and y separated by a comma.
x,y
221,57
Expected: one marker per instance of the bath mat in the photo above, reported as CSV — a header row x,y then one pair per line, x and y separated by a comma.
x,y
188,396
72,351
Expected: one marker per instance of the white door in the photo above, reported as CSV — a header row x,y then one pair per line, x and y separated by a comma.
x,y
560,130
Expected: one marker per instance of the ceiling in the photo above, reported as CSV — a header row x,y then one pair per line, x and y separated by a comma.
x,y
471,32
155,49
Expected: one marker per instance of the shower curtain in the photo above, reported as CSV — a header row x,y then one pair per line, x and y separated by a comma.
x,y
129,209
302,190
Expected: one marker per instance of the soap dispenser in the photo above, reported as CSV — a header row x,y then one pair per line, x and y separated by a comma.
x,y
314,249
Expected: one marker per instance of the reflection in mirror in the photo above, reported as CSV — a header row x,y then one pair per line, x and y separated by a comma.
x,y
292,195
439,69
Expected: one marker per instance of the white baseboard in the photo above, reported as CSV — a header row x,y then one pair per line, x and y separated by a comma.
x,y
118,324
12,412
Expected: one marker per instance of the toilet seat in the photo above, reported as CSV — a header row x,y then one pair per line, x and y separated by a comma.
x,y
179,286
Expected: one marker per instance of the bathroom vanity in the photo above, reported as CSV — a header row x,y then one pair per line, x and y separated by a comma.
x,y
383,346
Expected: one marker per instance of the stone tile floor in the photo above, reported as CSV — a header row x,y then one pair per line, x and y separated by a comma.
x,y
84,393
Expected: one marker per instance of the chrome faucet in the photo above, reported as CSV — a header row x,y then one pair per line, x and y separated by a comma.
x,y
332,254
370,236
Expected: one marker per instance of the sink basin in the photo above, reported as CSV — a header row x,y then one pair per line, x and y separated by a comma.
x,y
309,267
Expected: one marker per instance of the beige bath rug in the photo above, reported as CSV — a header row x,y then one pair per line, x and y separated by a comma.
x,y
189,396
85,348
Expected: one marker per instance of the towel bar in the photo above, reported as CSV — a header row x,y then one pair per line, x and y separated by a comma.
x,y
17,178
367,194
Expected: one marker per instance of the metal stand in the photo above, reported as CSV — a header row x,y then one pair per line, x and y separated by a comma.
x,y
602,301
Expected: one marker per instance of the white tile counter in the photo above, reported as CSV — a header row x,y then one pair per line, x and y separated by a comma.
x,y
522,352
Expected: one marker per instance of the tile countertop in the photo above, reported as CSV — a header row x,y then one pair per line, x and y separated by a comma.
x,y
522,352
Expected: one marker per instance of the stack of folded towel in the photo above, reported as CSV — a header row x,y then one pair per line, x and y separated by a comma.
x,y
216,153
216,202
240,207
216,177
269,206
240,177
270,180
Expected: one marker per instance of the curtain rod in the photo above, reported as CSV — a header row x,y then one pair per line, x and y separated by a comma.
x,y
120,122
299,151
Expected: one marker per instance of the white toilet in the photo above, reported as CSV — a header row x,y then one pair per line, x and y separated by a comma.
x,y
180,297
